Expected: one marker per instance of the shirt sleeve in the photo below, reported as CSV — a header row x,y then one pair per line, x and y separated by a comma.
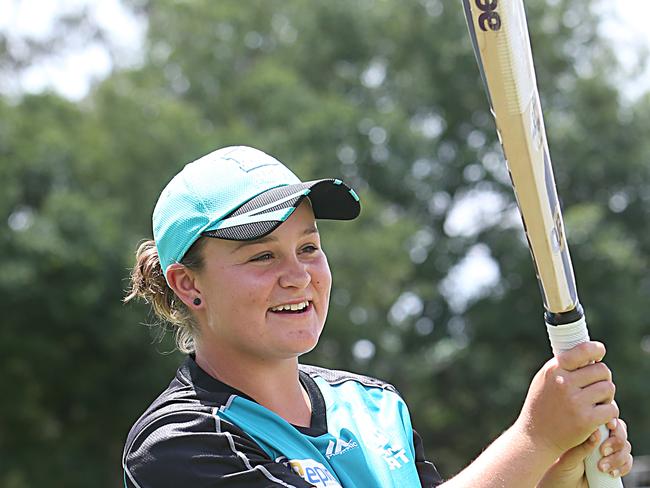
x,y
429,476
198,449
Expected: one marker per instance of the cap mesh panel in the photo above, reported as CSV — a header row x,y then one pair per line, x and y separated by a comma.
x,y
269,197
246,232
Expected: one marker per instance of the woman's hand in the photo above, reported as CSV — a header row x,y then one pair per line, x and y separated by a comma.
x,y
568,471
616,450
570,396
568,399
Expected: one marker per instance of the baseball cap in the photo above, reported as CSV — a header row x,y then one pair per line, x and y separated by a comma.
x,y
239,193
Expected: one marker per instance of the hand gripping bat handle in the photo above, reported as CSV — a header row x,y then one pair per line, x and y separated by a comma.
x,y
564,337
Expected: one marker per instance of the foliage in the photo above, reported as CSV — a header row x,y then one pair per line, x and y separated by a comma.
x,y
385,94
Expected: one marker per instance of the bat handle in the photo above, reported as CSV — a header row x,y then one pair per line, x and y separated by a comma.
x,y
564,337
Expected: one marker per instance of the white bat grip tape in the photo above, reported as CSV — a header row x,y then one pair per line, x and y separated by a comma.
x,y
564,337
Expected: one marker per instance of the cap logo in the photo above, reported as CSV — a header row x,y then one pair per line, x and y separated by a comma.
x,y
247,165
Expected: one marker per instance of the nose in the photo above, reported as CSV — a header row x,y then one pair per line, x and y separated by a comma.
x,y
295,274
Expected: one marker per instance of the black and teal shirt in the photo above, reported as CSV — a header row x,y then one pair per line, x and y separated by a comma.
x,y
203,433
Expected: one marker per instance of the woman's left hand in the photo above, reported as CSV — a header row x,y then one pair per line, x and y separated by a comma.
x,y
568,471
616,450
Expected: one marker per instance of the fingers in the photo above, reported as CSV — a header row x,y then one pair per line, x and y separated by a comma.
x,y
613,425
600,392
570,396
617,426
616,451
590,374
619,463
588,385
601,414
592,377
581,355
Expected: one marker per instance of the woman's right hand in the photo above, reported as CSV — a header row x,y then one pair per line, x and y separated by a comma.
x,y
569,397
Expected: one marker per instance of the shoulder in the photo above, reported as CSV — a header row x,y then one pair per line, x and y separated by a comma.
x,y
184,401
171,442
336,377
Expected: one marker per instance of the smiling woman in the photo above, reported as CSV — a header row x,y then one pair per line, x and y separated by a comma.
x,y
236,265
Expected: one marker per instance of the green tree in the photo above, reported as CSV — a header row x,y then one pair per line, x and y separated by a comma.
x,y
385,94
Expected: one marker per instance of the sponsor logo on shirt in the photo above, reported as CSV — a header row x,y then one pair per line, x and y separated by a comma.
x,y
314,472
395,456
339,447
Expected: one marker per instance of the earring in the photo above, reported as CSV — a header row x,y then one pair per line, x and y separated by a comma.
x,y
197,301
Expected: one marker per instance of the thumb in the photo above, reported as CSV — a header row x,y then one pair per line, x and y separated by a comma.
x,y
569,469
578,454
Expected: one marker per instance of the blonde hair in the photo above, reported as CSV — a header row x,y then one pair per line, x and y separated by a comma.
x,y
148,284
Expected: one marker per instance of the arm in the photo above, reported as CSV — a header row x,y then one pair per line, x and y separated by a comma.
x,y
514,459
568,399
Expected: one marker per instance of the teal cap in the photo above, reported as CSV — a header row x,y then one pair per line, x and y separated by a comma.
x,y
238,193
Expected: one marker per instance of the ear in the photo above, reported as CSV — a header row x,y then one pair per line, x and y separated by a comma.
x,y
183,282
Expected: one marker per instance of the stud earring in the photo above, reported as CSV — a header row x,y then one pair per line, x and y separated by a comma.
x,y
197,301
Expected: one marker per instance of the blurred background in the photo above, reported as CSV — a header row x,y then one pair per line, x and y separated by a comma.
x,y
101,103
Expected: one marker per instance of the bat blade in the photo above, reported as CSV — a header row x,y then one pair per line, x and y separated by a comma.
x,y
500,40
501,43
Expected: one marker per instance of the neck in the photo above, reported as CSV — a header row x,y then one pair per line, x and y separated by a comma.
x,y
273,384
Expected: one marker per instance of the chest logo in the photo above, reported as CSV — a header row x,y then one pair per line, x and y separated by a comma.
x,y
334,448
314,473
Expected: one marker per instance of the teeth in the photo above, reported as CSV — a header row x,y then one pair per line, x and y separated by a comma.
x,y
294,307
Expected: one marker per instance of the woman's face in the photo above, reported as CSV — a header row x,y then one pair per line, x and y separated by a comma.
x,y
267,298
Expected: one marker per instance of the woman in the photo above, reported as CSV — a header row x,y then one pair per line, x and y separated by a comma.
x,y
237,267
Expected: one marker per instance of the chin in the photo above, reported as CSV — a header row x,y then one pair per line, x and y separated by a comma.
x,y
303,344
308,349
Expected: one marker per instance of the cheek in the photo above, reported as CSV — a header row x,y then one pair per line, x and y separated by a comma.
x,y
235,290
245,291
323,278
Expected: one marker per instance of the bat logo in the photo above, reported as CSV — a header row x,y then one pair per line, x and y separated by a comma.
x,y
490,18
536,123
557,233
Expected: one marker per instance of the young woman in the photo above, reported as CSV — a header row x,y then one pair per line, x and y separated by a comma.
x,y
236,266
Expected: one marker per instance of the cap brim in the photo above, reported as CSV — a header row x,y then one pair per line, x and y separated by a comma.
x,y
330,199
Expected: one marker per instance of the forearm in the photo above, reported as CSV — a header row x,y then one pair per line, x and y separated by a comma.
x,y
511,460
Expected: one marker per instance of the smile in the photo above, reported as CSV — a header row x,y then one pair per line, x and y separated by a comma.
x,y
291,307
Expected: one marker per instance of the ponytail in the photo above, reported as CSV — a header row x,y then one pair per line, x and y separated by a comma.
x,y
148,284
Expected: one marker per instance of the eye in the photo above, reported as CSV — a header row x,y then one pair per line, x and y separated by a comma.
x,y
262,257
309,248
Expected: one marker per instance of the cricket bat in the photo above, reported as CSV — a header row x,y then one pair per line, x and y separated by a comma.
x,y
501,43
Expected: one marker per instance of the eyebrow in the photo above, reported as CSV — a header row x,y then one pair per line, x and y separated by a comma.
x,y
270,238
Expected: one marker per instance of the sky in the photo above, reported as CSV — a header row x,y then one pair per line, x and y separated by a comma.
x,y
627,26
72,73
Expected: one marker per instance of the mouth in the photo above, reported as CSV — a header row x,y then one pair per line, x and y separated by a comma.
x,y
292,308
